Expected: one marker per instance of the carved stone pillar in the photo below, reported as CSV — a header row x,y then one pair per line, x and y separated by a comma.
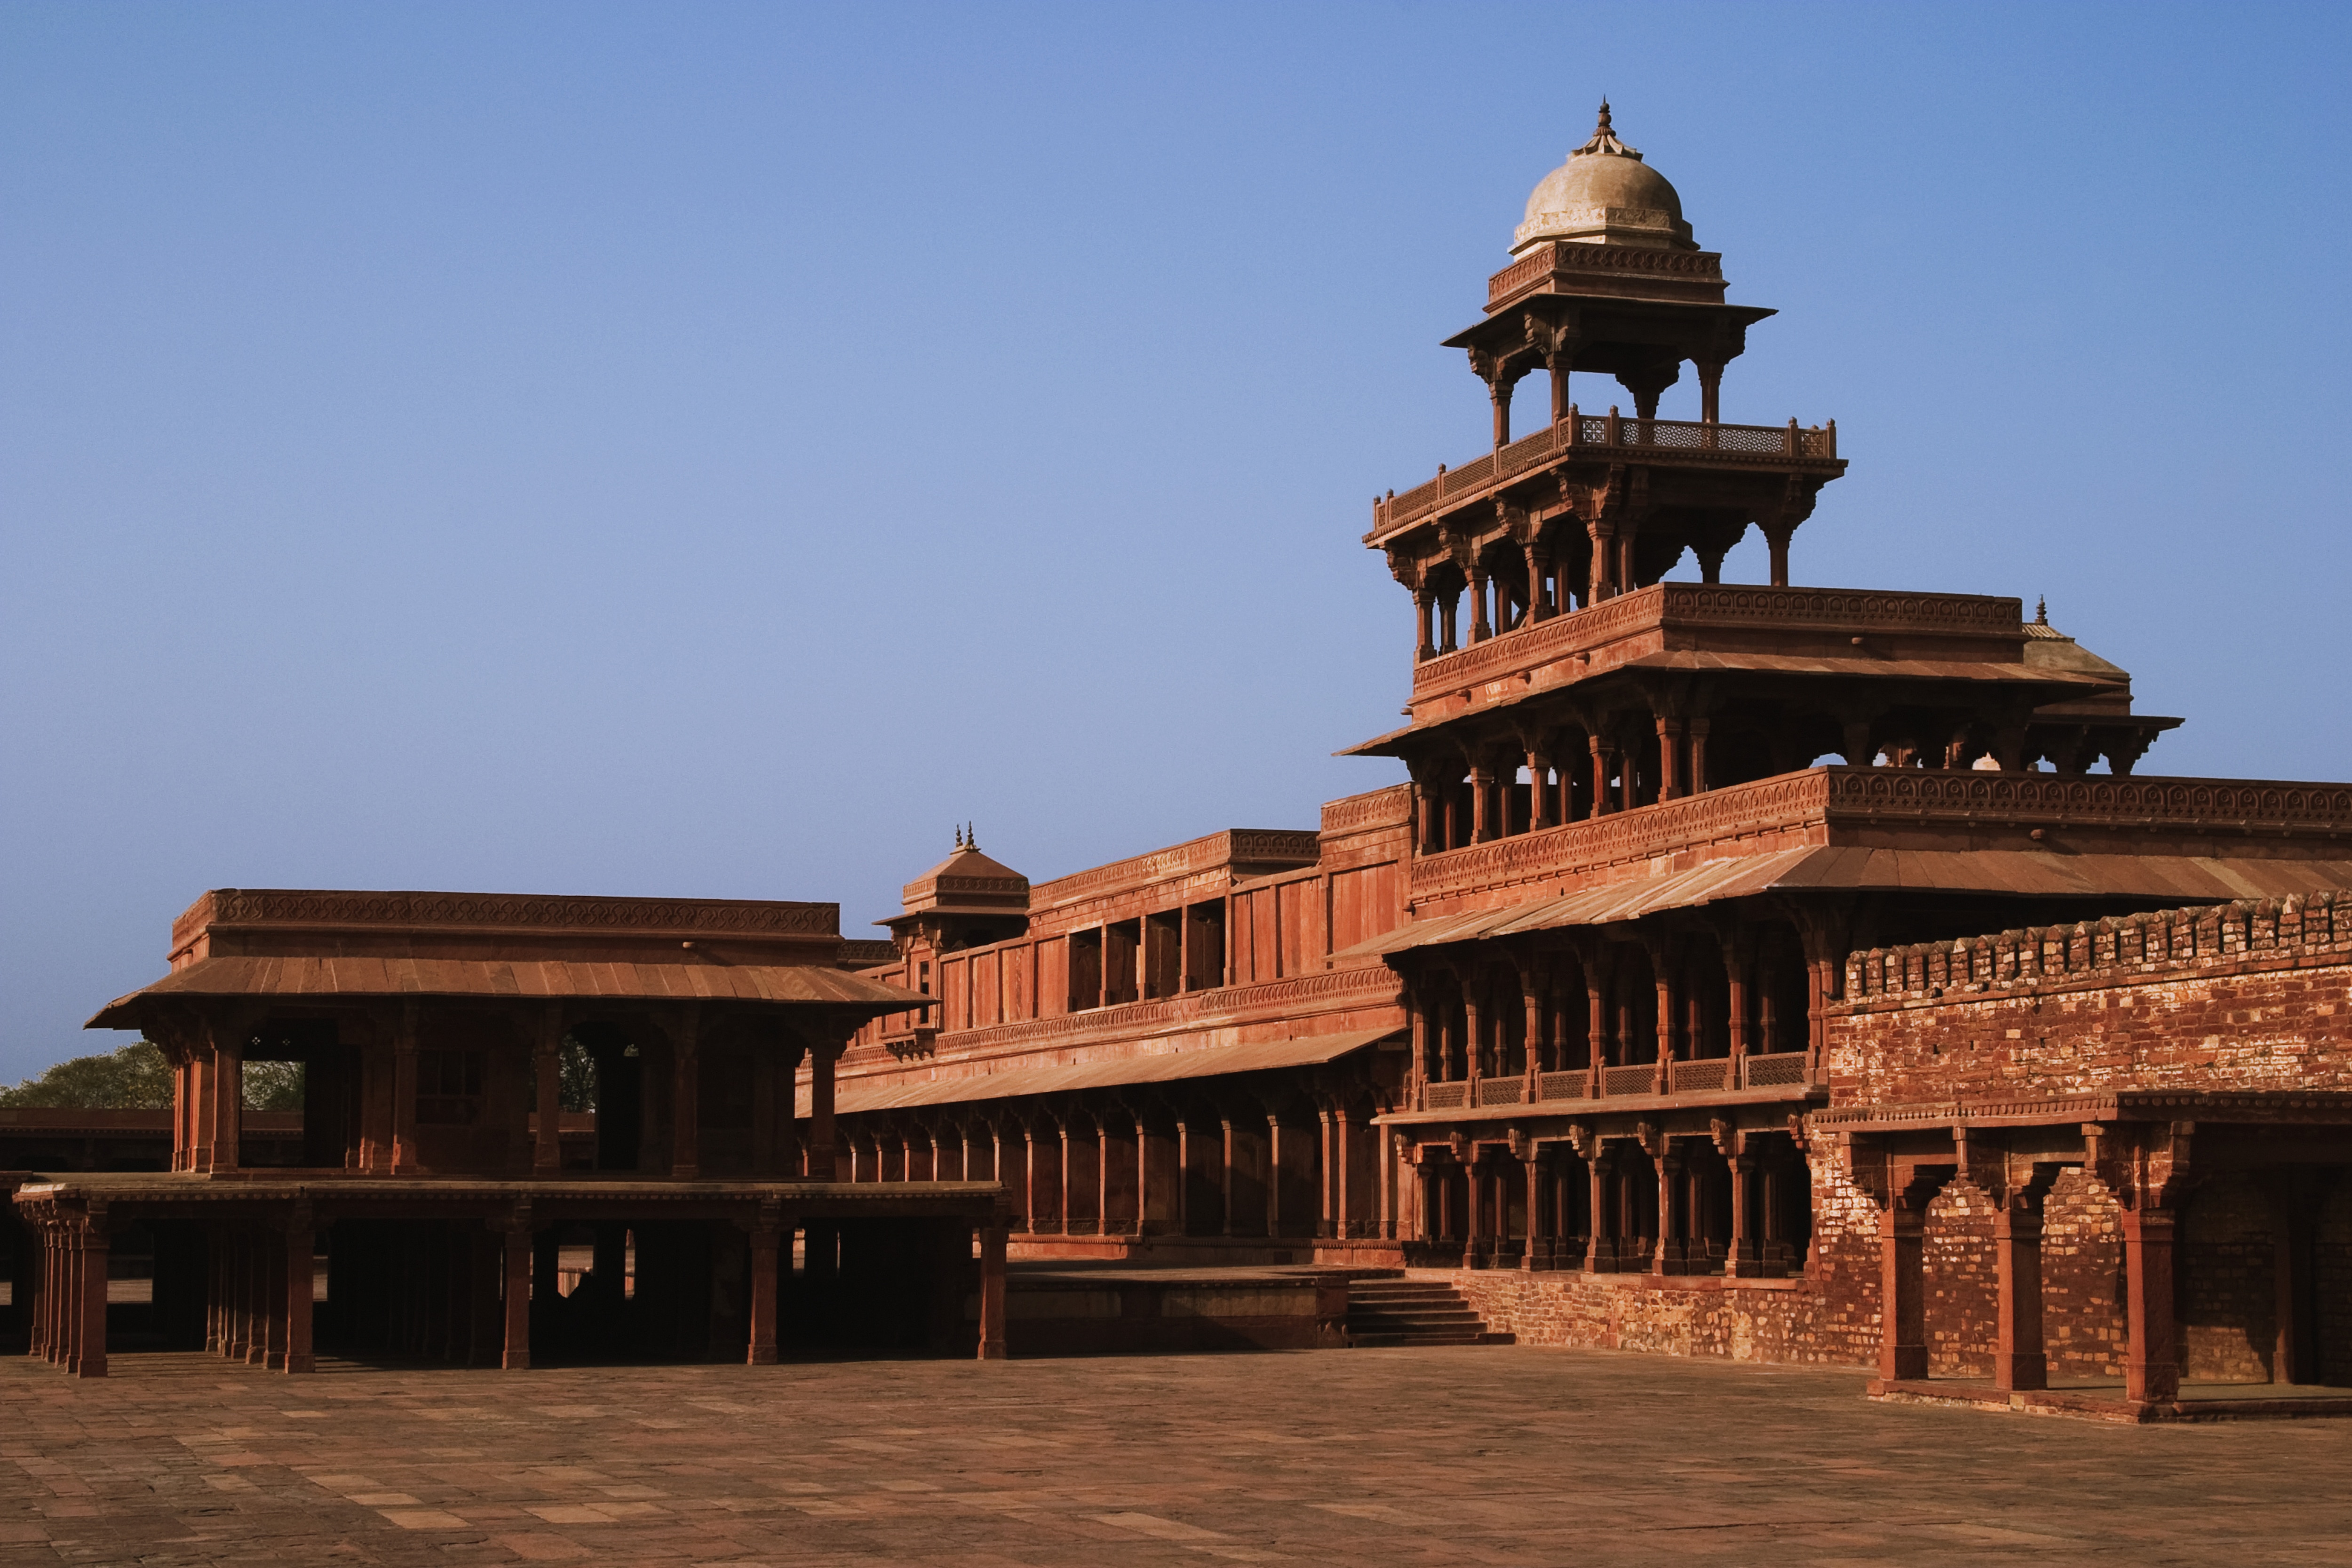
x,y
1670,758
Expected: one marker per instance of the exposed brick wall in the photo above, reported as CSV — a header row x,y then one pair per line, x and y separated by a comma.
x,y
2229,1282
2247,996
2333,1268
2084,1331
1960,1285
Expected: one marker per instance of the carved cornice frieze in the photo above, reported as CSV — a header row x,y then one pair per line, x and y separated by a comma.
x,y
2154,802
1387,807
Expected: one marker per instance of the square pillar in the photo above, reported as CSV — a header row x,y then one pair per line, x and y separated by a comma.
x,y
2151,1362
1902,1314
517,1354
547,1138
686,1098
992,1291
766,1238
228,1086
89,1349
403,1094
823,1154
2017,1359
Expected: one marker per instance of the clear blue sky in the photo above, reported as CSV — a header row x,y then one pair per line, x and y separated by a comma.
x,y
710,450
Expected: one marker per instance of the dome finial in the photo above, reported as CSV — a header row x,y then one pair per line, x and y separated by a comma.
x,y
2042,611
1604,140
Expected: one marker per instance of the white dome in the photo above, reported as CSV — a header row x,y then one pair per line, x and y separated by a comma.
x,y
1604,195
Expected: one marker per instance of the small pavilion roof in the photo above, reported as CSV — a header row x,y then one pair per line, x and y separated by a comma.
x,y
357,976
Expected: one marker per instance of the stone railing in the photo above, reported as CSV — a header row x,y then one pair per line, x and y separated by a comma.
x,y
1604,437
1840,611
2119,948
1643,833
1636,1080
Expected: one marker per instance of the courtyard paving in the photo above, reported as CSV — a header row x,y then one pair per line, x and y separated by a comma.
x,y
1491,1455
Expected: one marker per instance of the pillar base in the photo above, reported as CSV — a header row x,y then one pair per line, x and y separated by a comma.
x,y
1903,1364
2151,1383
2021,1373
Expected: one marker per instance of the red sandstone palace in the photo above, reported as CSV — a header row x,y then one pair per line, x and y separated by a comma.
x,y
1628,1018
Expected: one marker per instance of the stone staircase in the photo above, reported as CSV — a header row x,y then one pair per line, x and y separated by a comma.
x,y
1413,1313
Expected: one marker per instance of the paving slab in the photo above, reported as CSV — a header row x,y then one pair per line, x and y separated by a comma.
x,y
1440,1456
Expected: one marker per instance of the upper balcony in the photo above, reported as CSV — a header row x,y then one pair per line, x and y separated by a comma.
x,y
1610,437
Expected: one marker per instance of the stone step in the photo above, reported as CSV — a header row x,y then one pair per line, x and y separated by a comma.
x,y
1413,1313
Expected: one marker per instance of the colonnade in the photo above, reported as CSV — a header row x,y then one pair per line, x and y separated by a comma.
x,y
1729,1202
1572,775
1312,1167
473,1290
1586,1017
366,1109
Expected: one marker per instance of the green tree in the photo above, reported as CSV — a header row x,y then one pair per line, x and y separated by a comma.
x,y
575,1076
273,1086
137,1077
134,1077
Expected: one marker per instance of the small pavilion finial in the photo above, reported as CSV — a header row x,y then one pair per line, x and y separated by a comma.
x,y
2042,611
959,836
971,839
1604,139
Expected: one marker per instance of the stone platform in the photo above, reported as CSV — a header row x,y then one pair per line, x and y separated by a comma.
x,y
2105,1401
